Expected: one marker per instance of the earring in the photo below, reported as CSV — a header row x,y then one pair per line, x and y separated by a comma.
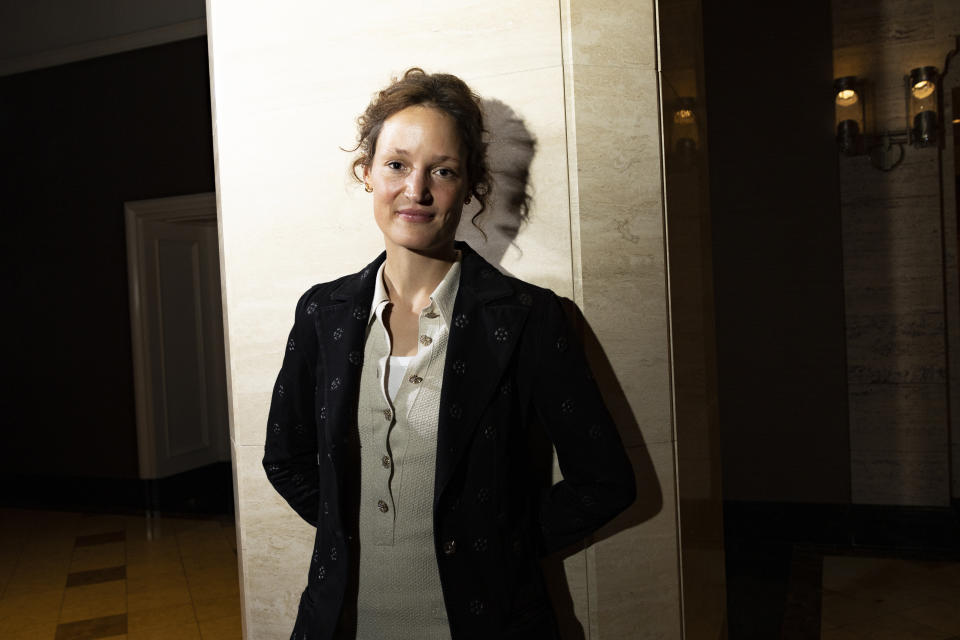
x,y
466,200
367,187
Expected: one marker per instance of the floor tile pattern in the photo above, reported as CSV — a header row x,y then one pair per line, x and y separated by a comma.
x,y
74,576
103,627
96,576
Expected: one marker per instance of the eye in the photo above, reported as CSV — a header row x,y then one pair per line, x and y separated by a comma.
x,y
445,172
395,165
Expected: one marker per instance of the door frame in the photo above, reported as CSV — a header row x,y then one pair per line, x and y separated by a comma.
x,y
201,207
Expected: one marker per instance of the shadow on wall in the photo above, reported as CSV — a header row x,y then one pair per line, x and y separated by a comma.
x,y
510,152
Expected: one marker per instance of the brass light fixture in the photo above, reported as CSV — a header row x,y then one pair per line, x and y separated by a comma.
x,y
922,100
686,136
886,149
684,132
848,107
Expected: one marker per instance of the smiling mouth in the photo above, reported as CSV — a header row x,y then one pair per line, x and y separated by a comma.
x,y
415,215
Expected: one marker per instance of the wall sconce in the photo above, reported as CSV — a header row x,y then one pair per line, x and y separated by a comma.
x,y
886,149
848,106
922,100
684,131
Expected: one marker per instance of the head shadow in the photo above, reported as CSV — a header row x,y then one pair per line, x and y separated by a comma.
x,y
511,147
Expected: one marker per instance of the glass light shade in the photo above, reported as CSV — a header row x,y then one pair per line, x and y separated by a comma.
x,y
923,89
922,100
847,98
848,107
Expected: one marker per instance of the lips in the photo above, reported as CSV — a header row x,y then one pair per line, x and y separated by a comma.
x,y
415,215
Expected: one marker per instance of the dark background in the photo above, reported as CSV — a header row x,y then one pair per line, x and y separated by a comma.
x,y
78,141
777,253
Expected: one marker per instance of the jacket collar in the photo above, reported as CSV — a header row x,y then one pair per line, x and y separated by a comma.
x,y
480,276
487,322
360,283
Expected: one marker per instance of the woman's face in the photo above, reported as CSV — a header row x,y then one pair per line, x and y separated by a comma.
x,y
418,180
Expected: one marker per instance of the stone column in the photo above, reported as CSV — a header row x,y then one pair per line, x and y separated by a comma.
x,y
579,78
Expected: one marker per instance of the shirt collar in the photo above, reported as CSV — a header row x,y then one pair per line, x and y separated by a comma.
x,y
442,298
380,297
445,295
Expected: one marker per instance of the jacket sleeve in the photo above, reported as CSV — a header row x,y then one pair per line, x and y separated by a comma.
x,y
598,480
290,450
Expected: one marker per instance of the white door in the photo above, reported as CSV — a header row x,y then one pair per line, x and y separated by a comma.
x,y
178,335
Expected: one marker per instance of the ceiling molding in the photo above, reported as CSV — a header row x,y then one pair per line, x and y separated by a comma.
x,y
104,47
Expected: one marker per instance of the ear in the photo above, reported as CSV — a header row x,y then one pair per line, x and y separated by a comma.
x,y
366,180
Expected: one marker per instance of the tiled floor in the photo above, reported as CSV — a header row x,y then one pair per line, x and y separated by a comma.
x,y
889,598
72,576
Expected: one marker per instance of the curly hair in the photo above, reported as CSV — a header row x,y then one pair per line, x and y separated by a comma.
x,y
442,91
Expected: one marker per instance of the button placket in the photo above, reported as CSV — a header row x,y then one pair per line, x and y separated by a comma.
x,y
377,490
425,328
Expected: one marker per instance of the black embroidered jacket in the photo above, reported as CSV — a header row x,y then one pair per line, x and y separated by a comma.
x,y
515,382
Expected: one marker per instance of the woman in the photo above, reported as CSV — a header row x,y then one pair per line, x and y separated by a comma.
x,y
405,418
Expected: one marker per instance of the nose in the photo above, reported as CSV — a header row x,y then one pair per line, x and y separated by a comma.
x,y
417,187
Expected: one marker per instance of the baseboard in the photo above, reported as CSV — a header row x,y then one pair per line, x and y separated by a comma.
x,y
206,490
845,526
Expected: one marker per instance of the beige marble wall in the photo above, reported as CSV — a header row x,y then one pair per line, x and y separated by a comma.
x,y
610,67
894,264
581,79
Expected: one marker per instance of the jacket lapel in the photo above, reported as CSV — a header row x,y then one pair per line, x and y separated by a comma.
x,y
487,322
341,328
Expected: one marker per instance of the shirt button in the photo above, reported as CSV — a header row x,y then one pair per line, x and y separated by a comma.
x,y
432,315
425,340
415,379
382,506
388,414
450,547
385,461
